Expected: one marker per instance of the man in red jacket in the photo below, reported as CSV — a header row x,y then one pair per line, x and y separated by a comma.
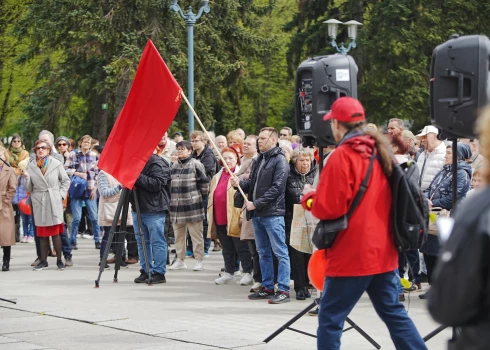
x,y
363,257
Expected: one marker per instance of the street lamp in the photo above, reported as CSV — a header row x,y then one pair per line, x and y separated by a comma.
x,y
351,32
190,19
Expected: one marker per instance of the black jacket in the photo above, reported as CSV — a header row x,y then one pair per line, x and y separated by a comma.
x,y
460,294
153,186
208,159
294,190
271,185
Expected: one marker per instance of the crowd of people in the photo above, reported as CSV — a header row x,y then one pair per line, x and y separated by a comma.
x,y
188,194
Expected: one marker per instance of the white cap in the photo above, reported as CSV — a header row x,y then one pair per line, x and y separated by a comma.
x,y
428,129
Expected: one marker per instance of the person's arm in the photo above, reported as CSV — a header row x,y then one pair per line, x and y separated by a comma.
x,y
64,181
104,189
156,178
278,185
202,179
334,193
446,201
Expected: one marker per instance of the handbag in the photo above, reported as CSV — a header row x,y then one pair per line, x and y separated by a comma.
x,y
301,228
436,213
326,231
238,200
77,187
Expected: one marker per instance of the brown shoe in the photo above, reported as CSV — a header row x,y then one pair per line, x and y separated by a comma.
x,y
131,261
111,260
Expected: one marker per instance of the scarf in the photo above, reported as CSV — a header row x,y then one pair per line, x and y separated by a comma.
x,y
42,164
15,152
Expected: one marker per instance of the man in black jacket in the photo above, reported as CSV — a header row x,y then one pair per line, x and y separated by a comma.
x,y
153,191
205,155
266,204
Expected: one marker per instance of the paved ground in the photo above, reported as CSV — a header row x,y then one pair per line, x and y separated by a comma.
x,y
63,310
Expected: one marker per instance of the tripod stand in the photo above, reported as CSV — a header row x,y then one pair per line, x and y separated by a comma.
x,y
308,308
123,208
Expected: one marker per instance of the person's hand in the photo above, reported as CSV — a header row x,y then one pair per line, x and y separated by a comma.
x,y
82,175
250,205
429,202
307,189
93,195
235,181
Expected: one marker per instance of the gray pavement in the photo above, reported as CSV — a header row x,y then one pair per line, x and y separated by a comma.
x,y
63,310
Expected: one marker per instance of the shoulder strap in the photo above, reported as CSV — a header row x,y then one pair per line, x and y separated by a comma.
x,y
362,188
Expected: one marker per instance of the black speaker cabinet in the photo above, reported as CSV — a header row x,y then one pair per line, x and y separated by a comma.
x,y
459,85
319,82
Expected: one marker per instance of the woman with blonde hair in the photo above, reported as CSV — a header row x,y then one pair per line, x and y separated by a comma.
x,y
8,183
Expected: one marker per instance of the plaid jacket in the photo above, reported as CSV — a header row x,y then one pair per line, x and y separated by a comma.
x,y
77,162
189,185
21,191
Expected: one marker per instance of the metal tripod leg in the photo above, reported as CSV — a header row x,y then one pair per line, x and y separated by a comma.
x,y
434,333
119,208
142,235
361,332
120,238
14,301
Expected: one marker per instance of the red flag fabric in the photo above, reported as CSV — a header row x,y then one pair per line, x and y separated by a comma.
x,y
149,110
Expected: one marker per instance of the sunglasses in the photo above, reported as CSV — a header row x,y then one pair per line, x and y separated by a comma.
x,y
16,141
62,144
41,147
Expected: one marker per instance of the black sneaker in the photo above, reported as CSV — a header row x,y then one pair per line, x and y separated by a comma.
x,y
424,296
158,278
313,312
41,266
124,264
74,246
261,294
60,265
107,267
142,278
97,245
280,298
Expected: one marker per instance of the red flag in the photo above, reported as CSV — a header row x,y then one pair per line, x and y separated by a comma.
x,y
149,110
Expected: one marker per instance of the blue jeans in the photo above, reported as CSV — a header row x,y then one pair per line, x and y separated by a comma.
x,y
76,209
27,224
396,279
341,294
156,244
269,233
65,244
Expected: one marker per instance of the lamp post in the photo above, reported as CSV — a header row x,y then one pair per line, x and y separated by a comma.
x,y
351,31
190,19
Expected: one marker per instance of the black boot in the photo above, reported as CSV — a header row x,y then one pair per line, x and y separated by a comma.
x,y
307,293
6,265
300,294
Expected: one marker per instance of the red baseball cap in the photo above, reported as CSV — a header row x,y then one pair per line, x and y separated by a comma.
x,y
346,109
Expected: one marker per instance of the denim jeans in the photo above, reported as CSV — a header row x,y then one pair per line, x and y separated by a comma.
x,y
76,209
396,279
156,244
27,224
341,294
269,233
65,244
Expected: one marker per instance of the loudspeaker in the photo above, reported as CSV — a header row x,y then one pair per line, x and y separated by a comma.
x,y
459,84
319,82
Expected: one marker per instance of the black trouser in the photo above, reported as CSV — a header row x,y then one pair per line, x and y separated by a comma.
x,y
232,246
299,268
17,222
412,256
430,263
6,253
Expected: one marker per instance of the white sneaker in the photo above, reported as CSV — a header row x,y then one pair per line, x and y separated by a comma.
x,y
199,265
24,239
86,236
225,278
246,280
238,274
256,286
30,239
178,265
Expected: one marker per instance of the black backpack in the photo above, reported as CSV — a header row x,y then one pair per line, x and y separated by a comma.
x,y
409,208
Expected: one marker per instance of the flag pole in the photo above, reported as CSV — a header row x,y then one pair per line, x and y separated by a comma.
x,y
211,140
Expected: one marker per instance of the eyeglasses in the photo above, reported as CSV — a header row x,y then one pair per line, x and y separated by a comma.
x,y
41,147
284,135
62,144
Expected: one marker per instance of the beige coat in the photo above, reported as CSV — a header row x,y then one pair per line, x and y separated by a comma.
x,y
232,213
110,201
8,183
247,230
47,192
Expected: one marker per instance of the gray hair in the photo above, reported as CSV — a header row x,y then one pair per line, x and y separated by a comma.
x,y
49,133
302,151
401,123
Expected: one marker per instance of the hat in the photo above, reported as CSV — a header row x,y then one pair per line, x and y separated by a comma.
x,y
409,135
346,109
64,138
464,151
428,129
178,133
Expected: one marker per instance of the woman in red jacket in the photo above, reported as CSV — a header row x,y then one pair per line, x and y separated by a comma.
x,y
363,257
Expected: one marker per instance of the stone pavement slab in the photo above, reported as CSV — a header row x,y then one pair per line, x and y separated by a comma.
x,y
63,310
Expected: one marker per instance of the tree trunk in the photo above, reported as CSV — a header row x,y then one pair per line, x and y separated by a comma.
x,y
6,100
